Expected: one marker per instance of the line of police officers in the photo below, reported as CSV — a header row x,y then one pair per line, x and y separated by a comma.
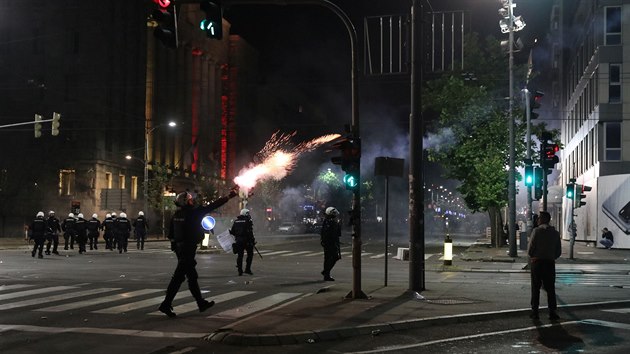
x,y
77,229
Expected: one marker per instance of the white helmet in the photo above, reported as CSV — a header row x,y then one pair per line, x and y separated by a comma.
x,y
51,213
80,216
141,213
332,211
70,215
95,216
113,215
182,199
123,215
108,215
40,214
244,212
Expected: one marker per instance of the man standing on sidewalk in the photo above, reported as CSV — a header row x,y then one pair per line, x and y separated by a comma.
x,y
544,248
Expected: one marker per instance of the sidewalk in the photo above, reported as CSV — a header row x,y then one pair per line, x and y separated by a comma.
x,y
327,315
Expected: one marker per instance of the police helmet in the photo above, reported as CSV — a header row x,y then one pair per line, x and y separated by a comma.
x,y
113,215
70,215
244,212
95,216
182,199
332,211
108,215
141,213
40,214
51,213
123,215
80,216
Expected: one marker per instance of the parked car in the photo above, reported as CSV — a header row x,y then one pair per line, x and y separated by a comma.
x,y
287,227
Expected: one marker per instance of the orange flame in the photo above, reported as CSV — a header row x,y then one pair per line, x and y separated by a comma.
x,y
277,160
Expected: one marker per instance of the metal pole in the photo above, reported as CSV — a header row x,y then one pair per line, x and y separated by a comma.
x,y
416,183
511,174
386,224
145,185
529,220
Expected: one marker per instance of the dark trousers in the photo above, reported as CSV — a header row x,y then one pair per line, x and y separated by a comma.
x,y
53,240
38,247
93,241
543,272
249,247
185,270
68,237
140,236
82,241
331,256
122,239
109,240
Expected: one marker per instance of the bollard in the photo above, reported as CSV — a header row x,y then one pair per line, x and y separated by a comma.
x,y
448,251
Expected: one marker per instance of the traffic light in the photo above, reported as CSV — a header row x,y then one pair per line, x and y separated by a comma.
x,y
38,125
579,194
529,176
570,194
212,24
538,183
55,124
548,156
165,14
349,160
534,103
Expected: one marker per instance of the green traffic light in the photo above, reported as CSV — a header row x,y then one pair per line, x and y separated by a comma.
x,y
350,181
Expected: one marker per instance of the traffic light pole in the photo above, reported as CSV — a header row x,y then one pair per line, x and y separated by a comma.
x,y
528,162
511,173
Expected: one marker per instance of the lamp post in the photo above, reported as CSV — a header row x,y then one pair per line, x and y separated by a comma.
x,y
145,184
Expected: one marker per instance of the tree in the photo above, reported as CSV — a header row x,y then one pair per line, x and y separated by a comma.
x,y
156,187
474,112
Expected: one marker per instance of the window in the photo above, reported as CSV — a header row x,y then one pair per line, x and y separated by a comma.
x,y
66,182
108,180
134,187
613,25
121,181
612,141
614,83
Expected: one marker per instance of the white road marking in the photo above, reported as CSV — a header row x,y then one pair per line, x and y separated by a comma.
x,y
363,254
99,300
314,254
276,252
192,306
34,292
53,298
625,310
607,324
295,253
107,331
254,306
15,286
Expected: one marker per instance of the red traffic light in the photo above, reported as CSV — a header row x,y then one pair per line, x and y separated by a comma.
x,y
163,3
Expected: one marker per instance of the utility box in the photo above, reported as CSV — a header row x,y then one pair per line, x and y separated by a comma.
x,y
523,241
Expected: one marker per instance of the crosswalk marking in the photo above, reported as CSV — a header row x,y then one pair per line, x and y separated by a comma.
x,y
53,298
192,306
625,310
254,306
314,254
100,300
275,253
294,253
34,292
363,254
380,255
15,286
345,253
135,305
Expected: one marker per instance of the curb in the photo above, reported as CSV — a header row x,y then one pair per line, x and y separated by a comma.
x,y
227,336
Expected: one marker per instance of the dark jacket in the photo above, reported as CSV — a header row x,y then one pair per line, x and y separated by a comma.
x,y
38,228
544,243
122,226
93,225
68,225
185,227
80,228
331,232
140,225
108,225
243,229
53,225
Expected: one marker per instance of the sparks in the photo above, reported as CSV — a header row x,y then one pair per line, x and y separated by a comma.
x,y
276,159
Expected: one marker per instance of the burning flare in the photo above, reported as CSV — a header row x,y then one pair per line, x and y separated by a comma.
x,y
277,159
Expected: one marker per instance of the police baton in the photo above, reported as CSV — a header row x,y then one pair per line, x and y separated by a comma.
x,y
257,251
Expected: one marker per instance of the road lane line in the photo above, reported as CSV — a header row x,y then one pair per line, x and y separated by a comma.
x,y
34,292
99,300
54,298
607,324
275,253
314,254
295,253
15,286
254,306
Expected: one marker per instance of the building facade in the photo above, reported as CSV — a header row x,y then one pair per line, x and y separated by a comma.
x,y
116,88
591,95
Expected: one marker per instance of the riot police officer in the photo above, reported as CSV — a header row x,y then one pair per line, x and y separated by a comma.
x,y
140,229
114,239
93,227
80,227
38,234
185,233
330,234
69,232
243,231
52,232
123,228
108,235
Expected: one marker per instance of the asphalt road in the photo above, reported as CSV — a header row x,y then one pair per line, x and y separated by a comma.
x,y
103,302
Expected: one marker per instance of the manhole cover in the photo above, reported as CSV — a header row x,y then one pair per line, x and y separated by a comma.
x,y
452,301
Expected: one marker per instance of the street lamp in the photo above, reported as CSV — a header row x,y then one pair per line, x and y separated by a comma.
x,y
145,185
